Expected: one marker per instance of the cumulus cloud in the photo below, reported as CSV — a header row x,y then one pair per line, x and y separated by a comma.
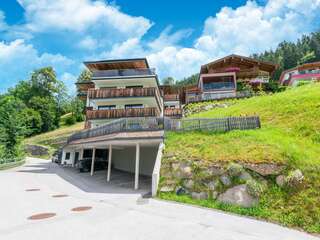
x,y
18,58
81,16
3,25
252,28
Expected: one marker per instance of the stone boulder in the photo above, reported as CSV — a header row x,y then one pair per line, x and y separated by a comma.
x,y
36,150
182,170
226,181
294,179
265,169
188,184
281,180
199,196
238,195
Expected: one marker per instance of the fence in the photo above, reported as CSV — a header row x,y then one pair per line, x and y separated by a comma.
x,y
168,124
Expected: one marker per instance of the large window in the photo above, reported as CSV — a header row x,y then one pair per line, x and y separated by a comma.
x,y
218,83
106,107
67,156
137,86
130,106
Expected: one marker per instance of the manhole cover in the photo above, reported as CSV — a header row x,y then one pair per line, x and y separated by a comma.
x,y
60,195
41,216
32,189
81,209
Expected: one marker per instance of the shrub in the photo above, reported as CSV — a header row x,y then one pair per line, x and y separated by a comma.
x,y
70,120
255,188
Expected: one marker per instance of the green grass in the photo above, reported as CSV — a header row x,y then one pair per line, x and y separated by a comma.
x,y
290,135
54,139
6,166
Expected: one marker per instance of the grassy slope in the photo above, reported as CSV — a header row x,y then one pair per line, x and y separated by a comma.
x,y
55,138
290,134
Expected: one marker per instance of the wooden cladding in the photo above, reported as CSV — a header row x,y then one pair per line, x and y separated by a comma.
x,y
122,113
173,112
122,92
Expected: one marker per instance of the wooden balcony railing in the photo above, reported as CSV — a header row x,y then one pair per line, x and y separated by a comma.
x,y
122,113
176,112
125,92
172,97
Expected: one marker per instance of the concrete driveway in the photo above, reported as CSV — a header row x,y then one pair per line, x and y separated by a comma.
x,y
117,213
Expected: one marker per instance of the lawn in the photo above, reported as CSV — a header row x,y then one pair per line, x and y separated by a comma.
x,y
290,135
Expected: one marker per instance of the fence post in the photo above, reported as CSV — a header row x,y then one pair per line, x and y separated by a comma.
x,y
228,124
199,124
258,122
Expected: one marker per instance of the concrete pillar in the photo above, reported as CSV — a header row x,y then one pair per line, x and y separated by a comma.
x,y
109,163
81,154
92,160
136,178
72,157
63,159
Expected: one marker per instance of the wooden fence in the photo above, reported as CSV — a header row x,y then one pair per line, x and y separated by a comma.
x,y
168,124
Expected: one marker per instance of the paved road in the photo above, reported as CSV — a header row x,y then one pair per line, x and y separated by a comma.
x,y
115,214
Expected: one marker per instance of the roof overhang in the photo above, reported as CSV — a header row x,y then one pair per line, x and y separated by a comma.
x,y
136,63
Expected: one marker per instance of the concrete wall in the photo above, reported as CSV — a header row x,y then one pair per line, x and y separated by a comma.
x,y
124,159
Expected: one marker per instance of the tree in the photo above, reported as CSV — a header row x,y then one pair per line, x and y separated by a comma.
x,y
77,107
32,121
85,76
11,125
168,81
192,80
47,108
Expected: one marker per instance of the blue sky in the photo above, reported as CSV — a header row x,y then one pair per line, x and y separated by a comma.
x,y
176,36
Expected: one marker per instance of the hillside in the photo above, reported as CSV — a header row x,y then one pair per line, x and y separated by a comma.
x,y
54,139
290,136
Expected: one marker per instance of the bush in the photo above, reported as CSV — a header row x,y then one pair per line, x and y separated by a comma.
x,y
255,188
70,120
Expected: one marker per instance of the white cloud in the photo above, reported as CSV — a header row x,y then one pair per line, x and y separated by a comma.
x,y
17,59
252,28
3,25
88,43
81,16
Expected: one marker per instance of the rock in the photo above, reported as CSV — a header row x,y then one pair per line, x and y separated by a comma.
x,y
188,184
36,150
265,169
175,166
225,180
181,191
184,171
167,188
234,169
294,178
281,180
199,196
245,176
238,195
215,171
212,185
255,188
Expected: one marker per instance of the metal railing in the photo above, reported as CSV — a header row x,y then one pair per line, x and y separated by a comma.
x,y
168,124
124,73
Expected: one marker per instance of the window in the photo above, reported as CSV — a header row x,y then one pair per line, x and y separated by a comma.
x,y
106,107
137,86
130,106
67,156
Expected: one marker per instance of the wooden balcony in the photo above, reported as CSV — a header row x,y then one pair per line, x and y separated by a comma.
x,y
171,97
125,92
122,113
173,112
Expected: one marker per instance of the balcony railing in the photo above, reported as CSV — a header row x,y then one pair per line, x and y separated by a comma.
x,y
176,112
169,124
124,73
172,97
122,113
125,92
122,92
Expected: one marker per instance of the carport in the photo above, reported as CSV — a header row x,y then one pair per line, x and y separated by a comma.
x,y
135,155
